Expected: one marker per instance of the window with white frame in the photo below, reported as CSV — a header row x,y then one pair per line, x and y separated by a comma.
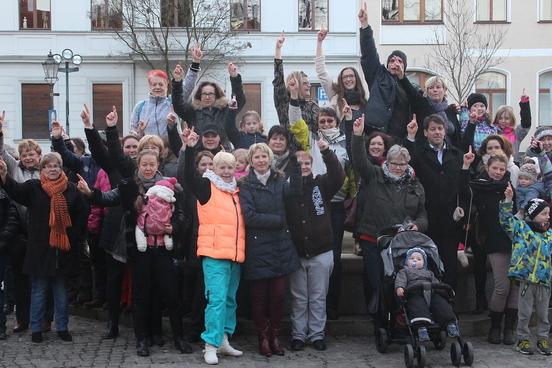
x,y
545,98
545,10
491,10
313,15
418,78
493,86
34,14
245,15
412,11
175,13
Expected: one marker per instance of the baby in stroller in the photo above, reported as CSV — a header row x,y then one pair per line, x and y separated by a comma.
x,y
423,306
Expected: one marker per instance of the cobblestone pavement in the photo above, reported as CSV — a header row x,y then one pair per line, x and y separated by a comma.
x,y
87,350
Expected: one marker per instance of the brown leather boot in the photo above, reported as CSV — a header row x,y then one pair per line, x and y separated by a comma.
x,y
275,345
264,345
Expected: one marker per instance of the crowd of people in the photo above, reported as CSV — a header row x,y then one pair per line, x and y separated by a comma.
x,y
194,212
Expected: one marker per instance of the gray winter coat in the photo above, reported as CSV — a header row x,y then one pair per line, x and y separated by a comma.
x,y
412,276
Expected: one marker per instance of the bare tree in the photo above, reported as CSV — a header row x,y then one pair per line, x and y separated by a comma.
x,y
161,32
465,50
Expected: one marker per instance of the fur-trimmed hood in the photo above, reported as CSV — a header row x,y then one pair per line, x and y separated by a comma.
x,y
220,103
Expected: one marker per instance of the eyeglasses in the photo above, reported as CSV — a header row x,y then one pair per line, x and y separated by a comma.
x,y
398,164
52,167
207,94
324,121
348,76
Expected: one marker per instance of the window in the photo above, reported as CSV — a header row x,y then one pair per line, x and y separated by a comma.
x,y
493,86
175,13
35,103
491,10
104,96
106,14
253,96
418,78
245,15
545,98
412,11
313,15
34,14
545,10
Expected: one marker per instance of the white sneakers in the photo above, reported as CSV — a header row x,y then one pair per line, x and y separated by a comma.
x,y
227,349
210,354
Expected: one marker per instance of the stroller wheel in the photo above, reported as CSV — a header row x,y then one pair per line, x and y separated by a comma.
x,y
381,341
440,341
408,356
467,353
455,354
421,356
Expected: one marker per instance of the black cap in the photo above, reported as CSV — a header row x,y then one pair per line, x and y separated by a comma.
x,y
210,128
400,54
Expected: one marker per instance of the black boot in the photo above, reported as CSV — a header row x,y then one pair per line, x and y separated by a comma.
x,y
510,324
142,348
112,330
495,331
182,346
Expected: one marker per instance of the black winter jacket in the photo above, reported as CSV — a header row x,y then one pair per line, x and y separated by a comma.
x,y
440,182
41,259
387,108
10,227
269,249
309,217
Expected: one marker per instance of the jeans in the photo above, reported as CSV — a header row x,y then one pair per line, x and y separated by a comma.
x,y
39,289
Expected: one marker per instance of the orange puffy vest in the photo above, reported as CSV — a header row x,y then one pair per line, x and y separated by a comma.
x,y
221,233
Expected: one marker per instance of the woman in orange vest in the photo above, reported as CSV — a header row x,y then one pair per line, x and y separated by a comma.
x,y
220,243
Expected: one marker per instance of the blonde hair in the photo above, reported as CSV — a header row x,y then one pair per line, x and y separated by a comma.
x,y
50,157
398,151
263,147
224,158
434,81
505,110
304,154
28,145
240,153
150,139
252,113
299,75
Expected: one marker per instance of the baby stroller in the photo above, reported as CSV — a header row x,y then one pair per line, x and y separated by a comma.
x,y
396,326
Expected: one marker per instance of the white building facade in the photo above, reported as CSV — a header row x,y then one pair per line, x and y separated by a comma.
x,y
110,75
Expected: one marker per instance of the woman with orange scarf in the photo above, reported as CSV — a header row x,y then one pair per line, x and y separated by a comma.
x,y
57,215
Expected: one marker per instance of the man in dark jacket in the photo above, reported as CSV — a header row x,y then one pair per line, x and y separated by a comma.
x,y
438,164
387,108
311,231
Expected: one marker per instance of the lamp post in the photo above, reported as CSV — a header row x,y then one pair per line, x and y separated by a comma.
x,y
51,69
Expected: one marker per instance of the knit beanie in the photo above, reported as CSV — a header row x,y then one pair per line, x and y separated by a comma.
x,y
397,53
476,97
528,171
543,133
169,183
416,250
534,207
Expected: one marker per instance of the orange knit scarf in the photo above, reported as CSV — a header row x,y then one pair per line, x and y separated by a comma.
x,y
59,214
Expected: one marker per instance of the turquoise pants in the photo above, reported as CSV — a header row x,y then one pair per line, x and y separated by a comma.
x,y
222,278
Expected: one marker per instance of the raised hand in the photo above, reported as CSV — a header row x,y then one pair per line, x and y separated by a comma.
x,y
473,117
468,159
346,110
358,126
322,144
536,146
57,130
280,40
83,187
192,138
363,15
178,73
412,128
197,54
293,87
85,117
112,117
3,170
171,117
142,125
321,35
233,103
508,193
232,70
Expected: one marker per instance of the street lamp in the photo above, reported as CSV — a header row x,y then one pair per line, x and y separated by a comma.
x,y
51,69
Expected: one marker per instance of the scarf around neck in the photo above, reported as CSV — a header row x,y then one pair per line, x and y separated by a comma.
x,y
408,174
280,161
330,135
440,108
148,183
219,183
59,219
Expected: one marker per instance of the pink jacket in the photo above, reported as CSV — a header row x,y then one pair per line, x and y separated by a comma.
x,y
155,214
97,213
